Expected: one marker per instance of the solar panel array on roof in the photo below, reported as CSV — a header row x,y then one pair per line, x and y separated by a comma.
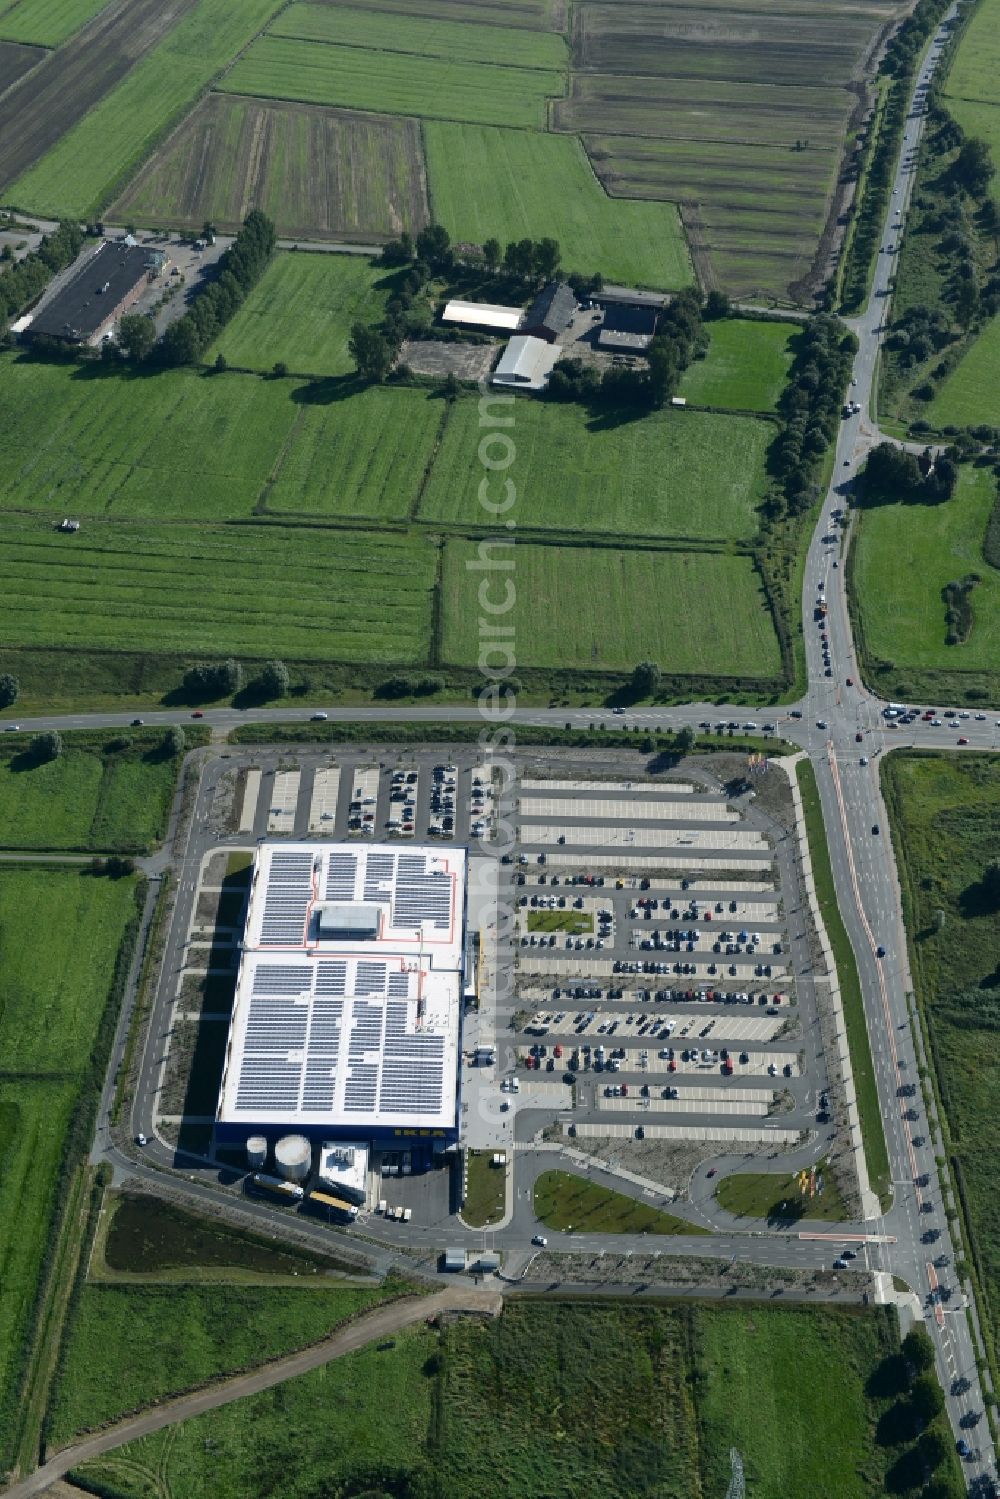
x,y
341,876
421,895
286,899
379,871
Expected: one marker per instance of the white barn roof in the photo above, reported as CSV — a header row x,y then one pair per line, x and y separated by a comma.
x,y
342,1029
526,362
483,315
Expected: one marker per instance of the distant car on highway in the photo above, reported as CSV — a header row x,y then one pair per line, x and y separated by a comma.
x,y
140,1140
880,952
319,717
540,1240
962,739
197,713
12,728
618,710
821,723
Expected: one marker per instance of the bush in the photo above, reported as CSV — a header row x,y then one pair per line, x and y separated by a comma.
x,y
47,746
9,689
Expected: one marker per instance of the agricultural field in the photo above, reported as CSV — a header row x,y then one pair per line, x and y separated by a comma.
x,y
55,993
393,82
458,41
256,591
318,173
516,183
361,456
301,312
693,474
746,366
46,23
945,816
92,160
904,555
544,15
16,60
702,613
967,397
39,111
131,1346
656,1394
93,797
167,443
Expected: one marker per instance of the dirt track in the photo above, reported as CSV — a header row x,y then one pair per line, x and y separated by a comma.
x,y
383,1322
48,101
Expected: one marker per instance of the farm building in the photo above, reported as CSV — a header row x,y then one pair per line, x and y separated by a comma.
x,y
483,315
348,1004
103,285
626,330
627,296
526,363
551,313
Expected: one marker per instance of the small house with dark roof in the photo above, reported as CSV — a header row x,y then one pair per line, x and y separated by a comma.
x,y
551,313
627,329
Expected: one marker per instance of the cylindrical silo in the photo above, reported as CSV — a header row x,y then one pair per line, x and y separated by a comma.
x,y
293,1157
257,1152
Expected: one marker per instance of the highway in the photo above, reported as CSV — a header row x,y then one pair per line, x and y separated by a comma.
x,y
825,723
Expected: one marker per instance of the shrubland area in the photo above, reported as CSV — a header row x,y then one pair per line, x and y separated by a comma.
x,y
553,1396
945,813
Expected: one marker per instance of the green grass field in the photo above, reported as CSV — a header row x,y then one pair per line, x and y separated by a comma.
x,y
46,23
278,67
553,1398
580,608
905,554
168,444
746,366
968,395
763,1194
92,160
258,591
571,1204
458,41
301,312
364,456
53,996
517,183
945,816
129,1346
486,1195
683,474
88,798
973,74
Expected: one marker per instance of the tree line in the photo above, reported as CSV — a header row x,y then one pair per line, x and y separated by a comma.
x,y
25,280
809,411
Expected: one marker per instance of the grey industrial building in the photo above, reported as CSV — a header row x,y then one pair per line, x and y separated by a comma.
x,y
551,313
105,282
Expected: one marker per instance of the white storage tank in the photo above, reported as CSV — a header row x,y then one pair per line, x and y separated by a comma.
x,y
293,1157
257,1152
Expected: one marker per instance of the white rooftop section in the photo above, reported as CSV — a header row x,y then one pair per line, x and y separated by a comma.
x,y
353,1025
483,315
526,362
343,1166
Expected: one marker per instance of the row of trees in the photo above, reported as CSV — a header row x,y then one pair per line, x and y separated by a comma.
x,y
520,260
810,411
26,279
209,680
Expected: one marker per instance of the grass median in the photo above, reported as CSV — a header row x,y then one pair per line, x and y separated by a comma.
x,y
571,1204
851,999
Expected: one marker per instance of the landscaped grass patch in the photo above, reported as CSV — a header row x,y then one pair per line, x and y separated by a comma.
x,y
130,1346
575,1205
457,41
279,67
92,159
317,173
855,1023
259,591
576,923
516,183
53,998
904,555
945,815
746,366
602,609
688,474
87,798
300,313
762,1194
486,1196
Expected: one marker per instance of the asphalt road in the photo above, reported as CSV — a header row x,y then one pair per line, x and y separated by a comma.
x,y
825,723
